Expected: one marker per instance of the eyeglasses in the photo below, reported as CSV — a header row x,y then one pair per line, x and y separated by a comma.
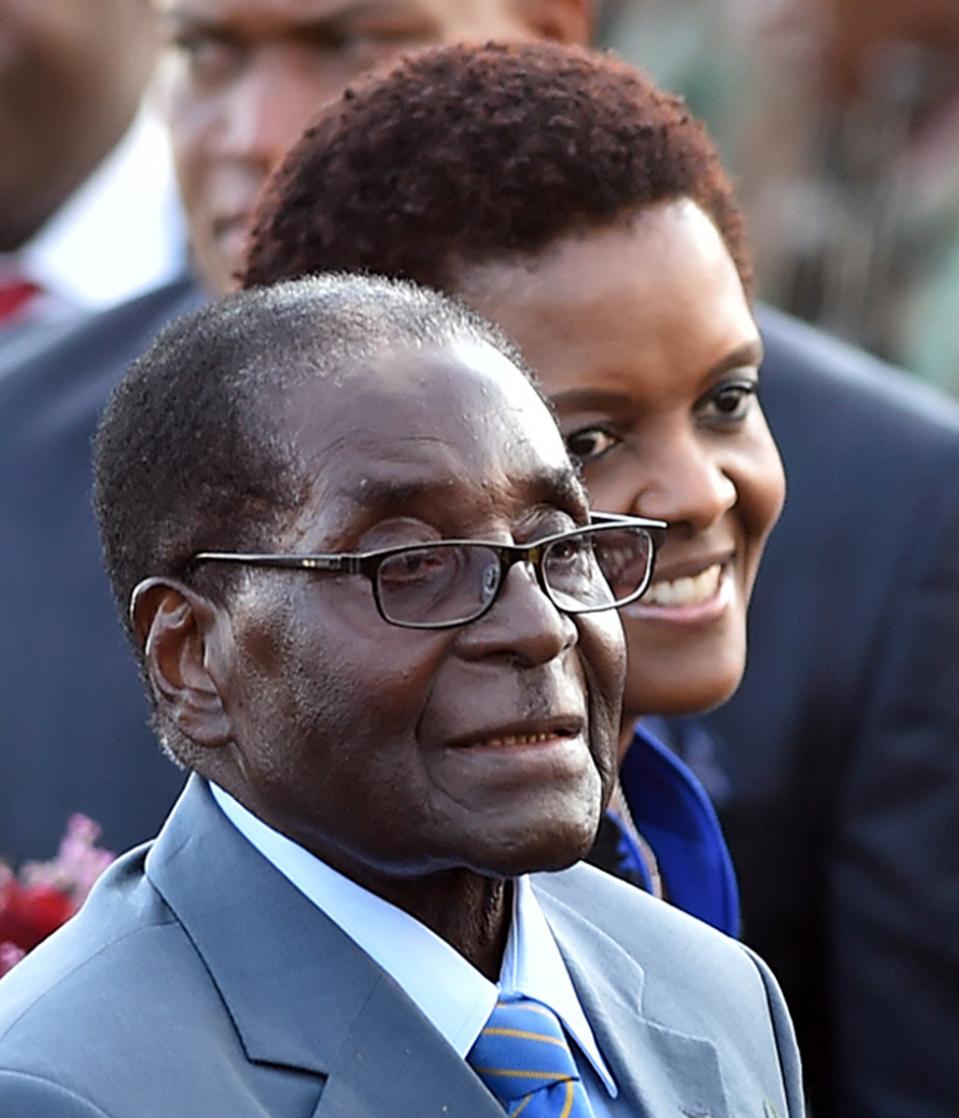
x,y
452,582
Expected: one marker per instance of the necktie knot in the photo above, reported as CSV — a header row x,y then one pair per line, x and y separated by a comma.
x,y
523,1058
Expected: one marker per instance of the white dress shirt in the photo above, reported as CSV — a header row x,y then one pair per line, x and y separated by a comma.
x,y
449,991
119,235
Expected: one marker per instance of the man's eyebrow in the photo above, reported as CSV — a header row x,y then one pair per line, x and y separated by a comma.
x,y
563,487
559,486
181,18
382,493
317,23
350,9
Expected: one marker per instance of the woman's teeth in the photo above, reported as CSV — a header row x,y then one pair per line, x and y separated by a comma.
x,y
685,591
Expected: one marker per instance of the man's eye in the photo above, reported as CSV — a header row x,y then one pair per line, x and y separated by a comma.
x,y
208,57
417,566
590,443
570,551
730,402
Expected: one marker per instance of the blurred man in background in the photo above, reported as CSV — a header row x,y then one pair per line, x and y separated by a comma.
x,y
241,78
89,214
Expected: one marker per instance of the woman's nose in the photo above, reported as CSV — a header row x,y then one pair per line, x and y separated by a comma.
x,y
689,487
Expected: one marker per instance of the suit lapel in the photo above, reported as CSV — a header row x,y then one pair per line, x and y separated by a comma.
x,y
393,1062
300,993
661,1073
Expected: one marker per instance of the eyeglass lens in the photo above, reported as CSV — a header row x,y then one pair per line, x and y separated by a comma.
x,y
437,584
445,584
598,570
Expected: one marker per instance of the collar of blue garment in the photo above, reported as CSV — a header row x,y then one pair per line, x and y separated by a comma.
x,y
447,989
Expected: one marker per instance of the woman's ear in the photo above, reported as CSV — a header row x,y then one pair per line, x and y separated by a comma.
x,y
176,629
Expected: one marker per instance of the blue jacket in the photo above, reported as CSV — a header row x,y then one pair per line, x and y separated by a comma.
x,y
675,816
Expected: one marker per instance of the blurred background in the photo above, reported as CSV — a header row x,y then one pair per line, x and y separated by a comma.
x,y
840,120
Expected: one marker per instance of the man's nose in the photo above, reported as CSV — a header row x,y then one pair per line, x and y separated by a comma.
x,y
267,110
523,624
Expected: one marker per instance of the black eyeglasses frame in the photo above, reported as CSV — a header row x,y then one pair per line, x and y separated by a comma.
x,y
367,563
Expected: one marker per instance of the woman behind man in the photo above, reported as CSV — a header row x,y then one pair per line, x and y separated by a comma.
x,y
563,196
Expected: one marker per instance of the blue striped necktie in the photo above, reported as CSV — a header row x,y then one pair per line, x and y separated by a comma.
x,y
523,1058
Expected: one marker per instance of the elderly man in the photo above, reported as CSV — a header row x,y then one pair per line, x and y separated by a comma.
x,y
377,623
239,80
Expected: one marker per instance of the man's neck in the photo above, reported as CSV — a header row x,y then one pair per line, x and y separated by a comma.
x,y
471,912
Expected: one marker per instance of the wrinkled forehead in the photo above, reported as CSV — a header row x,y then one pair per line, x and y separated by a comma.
x,y
442,430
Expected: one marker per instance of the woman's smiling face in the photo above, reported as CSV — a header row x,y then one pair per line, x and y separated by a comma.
x,y
644,339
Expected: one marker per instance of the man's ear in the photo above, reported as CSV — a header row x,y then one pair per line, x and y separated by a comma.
x,y
177,629
564,21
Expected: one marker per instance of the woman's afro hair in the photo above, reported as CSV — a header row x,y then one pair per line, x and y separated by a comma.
x,y
466,154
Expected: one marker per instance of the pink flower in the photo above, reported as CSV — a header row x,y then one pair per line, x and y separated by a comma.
x,y
46,894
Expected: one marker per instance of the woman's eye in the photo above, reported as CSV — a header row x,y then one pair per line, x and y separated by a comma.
x,y
731,401
591,443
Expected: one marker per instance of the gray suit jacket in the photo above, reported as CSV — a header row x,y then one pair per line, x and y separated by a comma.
x,y
198,981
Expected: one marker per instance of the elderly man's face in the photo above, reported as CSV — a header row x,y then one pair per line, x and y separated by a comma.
x,y
382,749
242,78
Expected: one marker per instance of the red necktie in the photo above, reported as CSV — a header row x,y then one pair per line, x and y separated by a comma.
x,y
14,297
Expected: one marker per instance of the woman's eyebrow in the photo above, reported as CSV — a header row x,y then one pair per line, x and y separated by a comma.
x,y
589,399
749,354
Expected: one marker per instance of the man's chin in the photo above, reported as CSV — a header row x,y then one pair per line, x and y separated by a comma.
x,y
545,851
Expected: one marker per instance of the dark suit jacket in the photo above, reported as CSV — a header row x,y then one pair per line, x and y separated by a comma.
x,y
73,720
198,981
843,741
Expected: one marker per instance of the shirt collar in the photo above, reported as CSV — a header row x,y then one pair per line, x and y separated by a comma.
x,y
448,990
534,967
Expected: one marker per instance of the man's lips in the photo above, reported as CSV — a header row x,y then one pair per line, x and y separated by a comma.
x,y
522,733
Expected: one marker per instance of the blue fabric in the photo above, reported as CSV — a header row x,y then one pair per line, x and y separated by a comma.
x,y
675,816
631,861
523,1058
